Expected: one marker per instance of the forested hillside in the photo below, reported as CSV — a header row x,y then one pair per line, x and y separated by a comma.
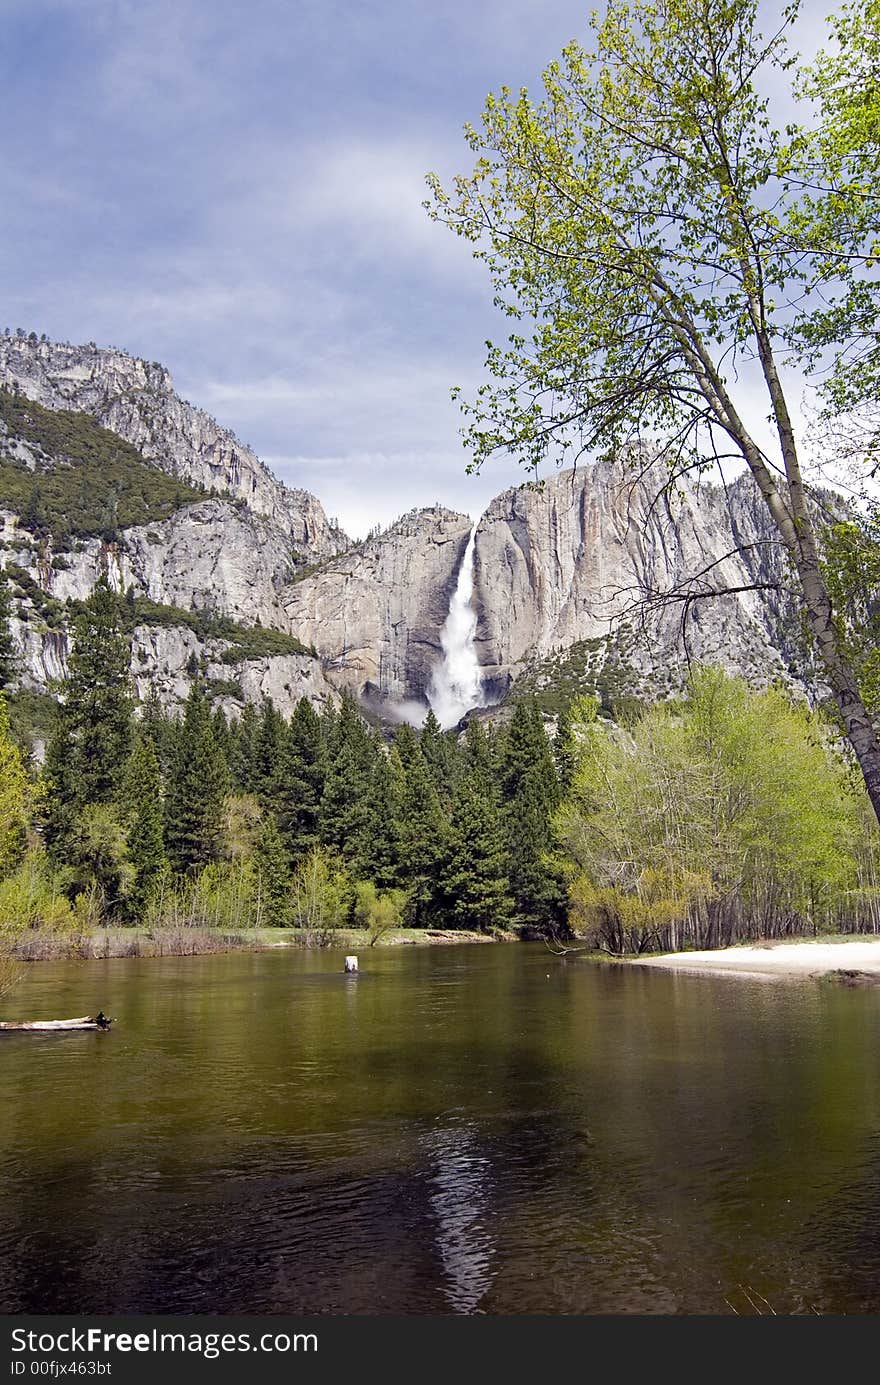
x,y
68,478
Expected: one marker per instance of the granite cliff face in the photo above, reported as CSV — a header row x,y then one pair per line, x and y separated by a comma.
x,y
592,557
375,614
161,658
596,555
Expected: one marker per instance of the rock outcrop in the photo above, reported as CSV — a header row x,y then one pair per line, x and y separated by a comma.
x,y
136,400
229,554
208,556
161,659
375,614
595,554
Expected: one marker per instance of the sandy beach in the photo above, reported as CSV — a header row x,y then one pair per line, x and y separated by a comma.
x,y
779,959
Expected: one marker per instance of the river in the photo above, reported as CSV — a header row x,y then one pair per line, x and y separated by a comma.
x,y
481,1129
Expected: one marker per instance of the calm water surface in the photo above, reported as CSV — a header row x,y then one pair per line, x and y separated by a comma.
x,y
468,1129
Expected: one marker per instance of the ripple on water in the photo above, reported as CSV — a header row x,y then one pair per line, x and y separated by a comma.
x,y
452,1133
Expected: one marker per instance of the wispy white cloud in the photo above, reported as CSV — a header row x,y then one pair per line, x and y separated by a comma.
x,y
368,489
236,191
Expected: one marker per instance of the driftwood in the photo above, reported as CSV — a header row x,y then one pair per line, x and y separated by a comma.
x,y
99,1021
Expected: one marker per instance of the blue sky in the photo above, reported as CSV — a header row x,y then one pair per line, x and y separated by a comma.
x,y
234,189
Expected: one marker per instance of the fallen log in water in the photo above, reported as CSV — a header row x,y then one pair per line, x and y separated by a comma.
x,y
99,1021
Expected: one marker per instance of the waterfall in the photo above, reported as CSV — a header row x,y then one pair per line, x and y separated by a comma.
x,y
456,685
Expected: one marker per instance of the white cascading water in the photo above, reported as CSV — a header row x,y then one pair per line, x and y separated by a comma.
x,y
456,685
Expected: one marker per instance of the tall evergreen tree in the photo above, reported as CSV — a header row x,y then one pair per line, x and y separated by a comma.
x,y
142,802
329,725
301,780
243,761
406,743
439,750
536,884
475,877
563,751
197,787
382,861
268,756
222,735
530,790
96,707
345,802
90,743
525,748
423,841
478,751
155,725
273,875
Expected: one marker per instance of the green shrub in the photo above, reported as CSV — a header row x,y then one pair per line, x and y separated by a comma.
x,y
378,912
31,897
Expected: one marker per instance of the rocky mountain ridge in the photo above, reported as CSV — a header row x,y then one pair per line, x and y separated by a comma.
x,y
600,559
136,400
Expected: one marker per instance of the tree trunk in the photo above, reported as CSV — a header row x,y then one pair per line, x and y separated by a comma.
x,y
791,515
857,720
100,1021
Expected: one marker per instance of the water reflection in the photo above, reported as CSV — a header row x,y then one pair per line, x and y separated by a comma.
x,y
460,1202
454,1130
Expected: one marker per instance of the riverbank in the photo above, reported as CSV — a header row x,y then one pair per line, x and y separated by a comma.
x,y
192,942
850,959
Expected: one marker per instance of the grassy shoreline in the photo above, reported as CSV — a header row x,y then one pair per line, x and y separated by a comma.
x,y
105,943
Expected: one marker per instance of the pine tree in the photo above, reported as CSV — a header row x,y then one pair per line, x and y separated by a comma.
x,y
301,781
155,725
406,743
7,646
475,872
479,751
530,791
268,754
91,740
222,734
243,754
329,726
382,855
526,752
57,800
142,802
438,749
345,802
423,841
537,886
197,787
34,516
273,875
96,708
